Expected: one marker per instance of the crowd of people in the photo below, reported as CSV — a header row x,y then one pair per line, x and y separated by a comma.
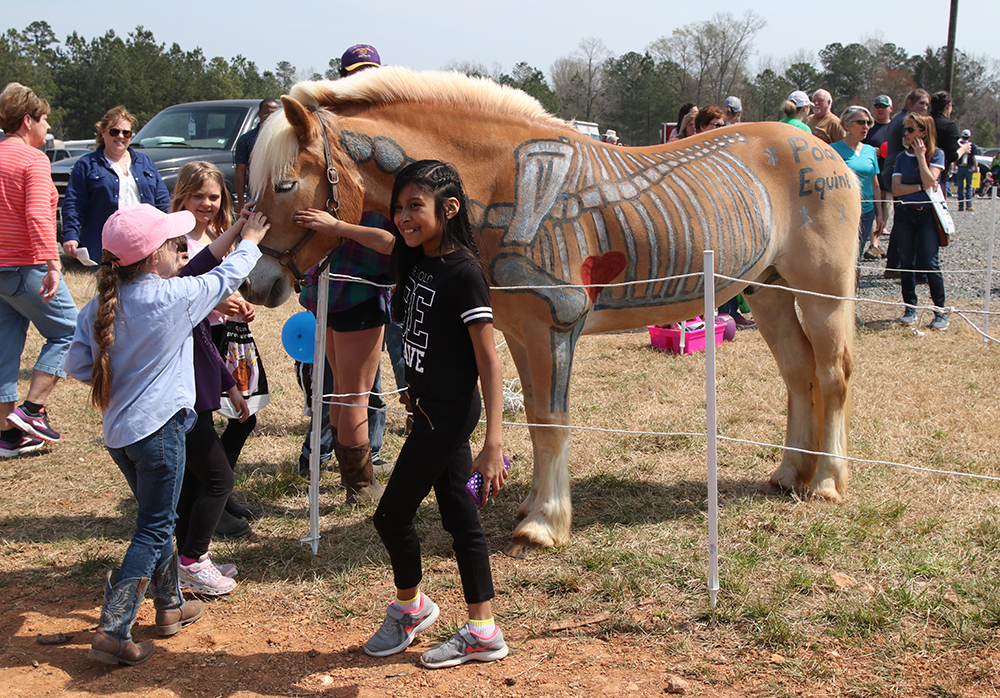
x,y
169,266
898,161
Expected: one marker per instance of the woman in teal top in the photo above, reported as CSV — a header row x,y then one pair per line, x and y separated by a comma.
x,y
796,108
863,160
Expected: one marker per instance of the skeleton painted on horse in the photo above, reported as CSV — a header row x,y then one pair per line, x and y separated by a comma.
x,y
553,208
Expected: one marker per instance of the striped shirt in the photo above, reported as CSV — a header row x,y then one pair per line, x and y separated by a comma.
x,y
28,201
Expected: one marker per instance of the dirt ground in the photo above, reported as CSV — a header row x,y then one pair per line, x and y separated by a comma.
x,y
249,646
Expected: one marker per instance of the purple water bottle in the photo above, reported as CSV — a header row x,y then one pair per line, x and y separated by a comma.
x,y
475,485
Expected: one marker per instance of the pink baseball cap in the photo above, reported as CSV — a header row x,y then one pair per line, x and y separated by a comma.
x,y
135,232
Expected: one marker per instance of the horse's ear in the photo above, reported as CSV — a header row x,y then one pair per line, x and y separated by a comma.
x,y
303,123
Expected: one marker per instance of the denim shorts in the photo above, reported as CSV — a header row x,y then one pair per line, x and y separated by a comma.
x,y
364,316
21,305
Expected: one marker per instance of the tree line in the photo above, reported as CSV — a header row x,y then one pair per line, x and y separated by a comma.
x,y
632,93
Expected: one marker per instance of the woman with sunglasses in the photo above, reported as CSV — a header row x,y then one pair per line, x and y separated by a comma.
x,y
917,169
112,177
863,161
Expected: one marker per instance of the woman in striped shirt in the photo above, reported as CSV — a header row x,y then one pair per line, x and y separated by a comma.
x,y
31,286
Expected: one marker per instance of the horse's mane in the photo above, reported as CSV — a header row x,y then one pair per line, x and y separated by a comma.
x,y
277,146
394,85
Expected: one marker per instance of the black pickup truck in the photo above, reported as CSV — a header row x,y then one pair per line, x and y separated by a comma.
x,y
181,134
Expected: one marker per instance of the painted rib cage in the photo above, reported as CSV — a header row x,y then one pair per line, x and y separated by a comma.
x,y
661,209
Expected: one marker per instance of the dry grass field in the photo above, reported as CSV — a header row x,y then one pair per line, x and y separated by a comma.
x,y
892,593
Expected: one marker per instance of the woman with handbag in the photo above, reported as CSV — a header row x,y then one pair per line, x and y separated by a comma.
x,y
916,170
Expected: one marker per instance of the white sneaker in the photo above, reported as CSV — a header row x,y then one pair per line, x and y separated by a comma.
x,y
203,577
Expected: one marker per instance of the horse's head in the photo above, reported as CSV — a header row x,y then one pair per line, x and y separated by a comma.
x,y
297,163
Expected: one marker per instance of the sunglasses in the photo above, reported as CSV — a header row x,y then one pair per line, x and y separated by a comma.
x,y
910,129
716,124
123,132
863,122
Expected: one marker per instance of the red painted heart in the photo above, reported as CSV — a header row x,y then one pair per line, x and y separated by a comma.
x,y
596,271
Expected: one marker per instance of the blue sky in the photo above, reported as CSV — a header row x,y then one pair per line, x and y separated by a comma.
x,y
428,35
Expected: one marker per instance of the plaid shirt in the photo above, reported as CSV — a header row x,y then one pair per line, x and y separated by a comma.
x,y
352,259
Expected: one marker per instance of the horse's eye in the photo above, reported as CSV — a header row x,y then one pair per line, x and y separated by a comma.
x,y
284,186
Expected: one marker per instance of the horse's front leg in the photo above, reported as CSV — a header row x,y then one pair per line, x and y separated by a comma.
x,y
545,515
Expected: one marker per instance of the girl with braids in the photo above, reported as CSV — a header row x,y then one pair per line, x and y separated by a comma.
x,y
134,347
443,299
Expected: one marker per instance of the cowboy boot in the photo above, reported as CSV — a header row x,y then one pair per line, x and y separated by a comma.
x,y
172,611
112,643
357,475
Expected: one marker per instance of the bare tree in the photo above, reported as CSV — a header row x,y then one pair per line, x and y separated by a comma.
x,y
713,56
475,68
578,80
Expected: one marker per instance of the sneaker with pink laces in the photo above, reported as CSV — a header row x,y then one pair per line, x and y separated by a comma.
x,y
203,577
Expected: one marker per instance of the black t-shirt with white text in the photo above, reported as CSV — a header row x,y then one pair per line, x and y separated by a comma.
x,y
442,297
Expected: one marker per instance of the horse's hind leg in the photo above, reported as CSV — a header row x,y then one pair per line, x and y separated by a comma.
x,y
774,311
830,326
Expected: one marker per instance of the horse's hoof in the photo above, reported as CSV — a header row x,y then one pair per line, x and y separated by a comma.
x,y
775,489
520,548
829,494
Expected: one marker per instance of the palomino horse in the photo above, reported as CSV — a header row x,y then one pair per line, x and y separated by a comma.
x,y
552,208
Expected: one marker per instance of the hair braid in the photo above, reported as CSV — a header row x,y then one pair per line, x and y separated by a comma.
x,y
109,275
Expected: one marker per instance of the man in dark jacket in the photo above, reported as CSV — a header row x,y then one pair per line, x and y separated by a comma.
x,y
947,133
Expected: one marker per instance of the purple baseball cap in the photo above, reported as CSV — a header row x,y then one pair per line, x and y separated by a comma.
x,y
359,56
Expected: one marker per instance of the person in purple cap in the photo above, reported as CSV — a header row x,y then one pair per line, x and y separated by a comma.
x,y
357,58
356,320
134,347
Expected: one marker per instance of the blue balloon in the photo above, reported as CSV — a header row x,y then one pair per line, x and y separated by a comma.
x,y
298,336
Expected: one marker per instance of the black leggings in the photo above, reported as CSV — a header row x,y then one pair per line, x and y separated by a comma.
x,y
436,454
208,482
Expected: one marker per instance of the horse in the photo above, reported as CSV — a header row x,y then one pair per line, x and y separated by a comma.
x,y
580,237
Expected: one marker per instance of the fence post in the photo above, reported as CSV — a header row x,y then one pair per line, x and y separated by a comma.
x,y
713,480
316,406
989,265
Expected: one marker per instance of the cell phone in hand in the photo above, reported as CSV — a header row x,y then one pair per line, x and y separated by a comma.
x,y
475,485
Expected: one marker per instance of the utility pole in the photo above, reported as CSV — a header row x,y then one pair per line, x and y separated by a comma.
x,y
949,58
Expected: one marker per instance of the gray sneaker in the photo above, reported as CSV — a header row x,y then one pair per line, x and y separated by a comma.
x,y
398,629
464,647
940,322
909,317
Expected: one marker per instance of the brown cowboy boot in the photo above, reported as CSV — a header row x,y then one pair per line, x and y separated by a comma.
x,y
357,475
172,611
112,643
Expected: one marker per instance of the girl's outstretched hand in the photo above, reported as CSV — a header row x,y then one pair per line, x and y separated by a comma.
x,y
256,227
489,462
320,221
247,209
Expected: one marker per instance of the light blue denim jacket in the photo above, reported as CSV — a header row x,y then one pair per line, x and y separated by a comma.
x,y
152,360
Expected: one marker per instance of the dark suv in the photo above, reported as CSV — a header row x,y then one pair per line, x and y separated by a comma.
x,y
181,134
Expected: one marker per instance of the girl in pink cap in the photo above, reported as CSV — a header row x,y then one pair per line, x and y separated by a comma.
x,y
133,345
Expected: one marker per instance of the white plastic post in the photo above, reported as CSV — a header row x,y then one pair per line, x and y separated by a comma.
x,y
713,478
319,364
989,265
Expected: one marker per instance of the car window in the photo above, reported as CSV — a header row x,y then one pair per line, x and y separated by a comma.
x,y
213,128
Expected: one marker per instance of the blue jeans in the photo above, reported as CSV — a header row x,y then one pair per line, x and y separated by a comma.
x,y
964,179
394,345
154,469
917,233
20,305
864,230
